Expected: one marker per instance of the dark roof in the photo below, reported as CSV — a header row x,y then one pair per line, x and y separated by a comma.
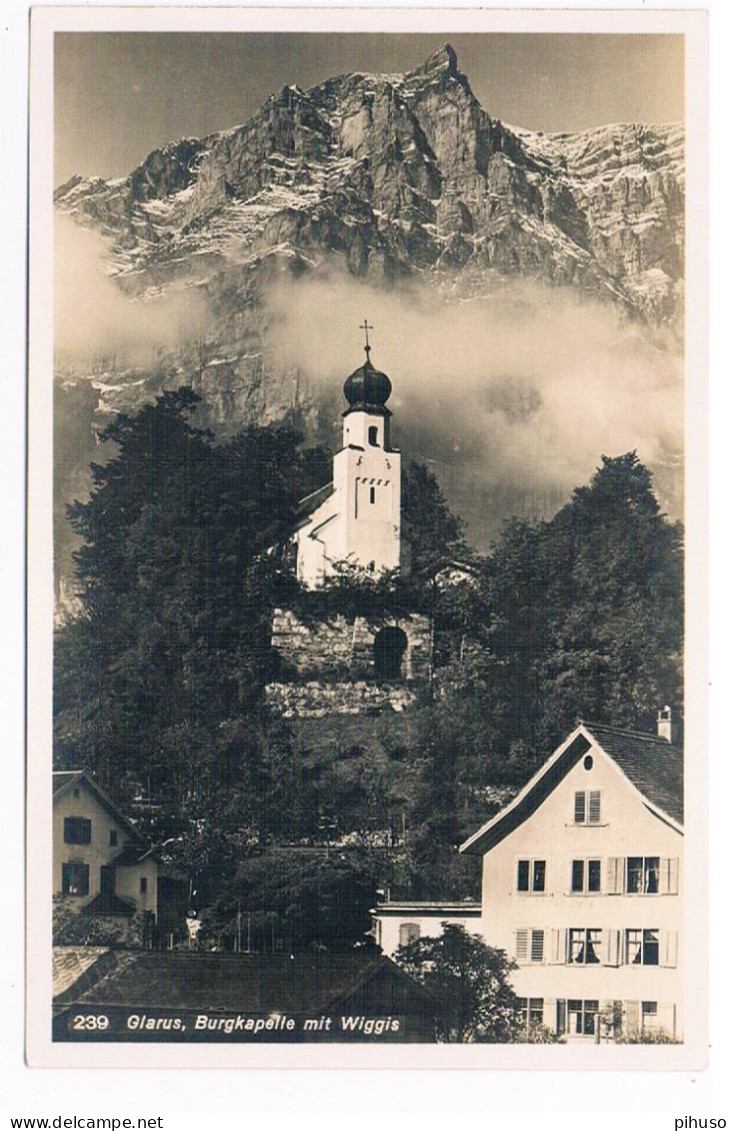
x,y
309,504
72,963
131,855
258,983
653,764
108,904
367,388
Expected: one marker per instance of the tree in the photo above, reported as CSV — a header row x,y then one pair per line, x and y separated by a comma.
x,y
581,616
470,982
298,899
432,533
176,574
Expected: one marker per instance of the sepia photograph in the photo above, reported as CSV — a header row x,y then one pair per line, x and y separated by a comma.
x,y
366,453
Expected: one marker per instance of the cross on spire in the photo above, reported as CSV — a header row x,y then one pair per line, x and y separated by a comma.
x,y
364,326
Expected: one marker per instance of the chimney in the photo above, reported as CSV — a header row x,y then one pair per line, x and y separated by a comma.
x,y
664,723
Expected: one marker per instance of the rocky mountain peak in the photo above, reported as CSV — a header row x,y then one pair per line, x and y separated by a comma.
x,y
398,175
443,60
390,178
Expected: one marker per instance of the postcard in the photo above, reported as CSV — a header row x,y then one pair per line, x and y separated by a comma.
x,y
367,405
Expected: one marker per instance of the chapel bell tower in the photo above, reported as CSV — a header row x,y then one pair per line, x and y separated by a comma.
x,y
360,520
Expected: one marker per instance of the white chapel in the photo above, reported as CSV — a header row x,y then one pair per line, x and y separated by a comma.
x,y
357,517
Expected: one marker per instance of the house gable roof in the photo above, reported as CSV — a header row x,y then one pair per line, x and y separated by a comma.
x,y
64,780
652,765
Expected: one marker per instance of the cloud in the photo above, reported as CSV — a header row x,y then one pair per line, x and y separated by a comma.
x,y
92,316
512,399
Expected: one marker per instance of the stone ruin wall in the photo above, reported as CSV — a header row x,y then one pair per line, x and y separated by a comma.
x,y
329,667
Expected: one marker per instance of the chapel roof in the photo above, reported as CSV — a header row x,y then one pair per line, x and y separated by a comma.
x,y
367,387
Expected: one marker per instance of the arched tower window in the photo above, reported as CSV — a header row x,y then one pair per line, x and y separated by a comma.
x,y
389,647
373,435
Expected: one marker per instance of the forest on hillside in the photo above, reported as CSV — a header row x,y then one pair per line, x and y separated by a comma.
x,y
159,677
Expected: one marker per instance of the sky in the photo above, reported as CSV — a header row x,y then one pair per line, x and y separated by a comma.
x,y
120,95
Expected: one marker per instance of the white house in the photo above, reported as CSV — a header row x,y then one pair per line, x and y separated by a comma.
x,y
582,884
397,923
357,517
102,864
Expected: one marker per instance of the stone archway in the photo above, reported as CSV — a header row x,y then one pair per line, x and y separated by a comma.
x,y
389,647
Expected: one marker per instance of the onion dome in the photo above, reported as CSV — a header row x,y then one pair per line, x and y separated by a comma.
x,y
367,387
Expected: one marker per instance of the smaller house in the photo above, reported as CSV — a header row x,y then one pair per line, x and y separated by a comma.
x,y
397,923
102,864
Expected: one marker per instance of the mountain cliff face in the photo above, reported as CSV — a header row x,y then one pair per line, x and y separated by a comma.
x,y
399,174
395,179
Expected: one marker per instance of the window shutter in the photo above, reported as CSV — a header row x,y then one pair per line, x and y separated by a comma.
x,y
556,946
522,945
668,948
594,806
632,1017
612,948
666,1017
615,875
537,948
670,875
579,807
561,1015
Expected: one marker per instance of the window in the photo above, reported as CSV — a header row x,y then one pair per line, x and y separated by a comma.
x,y
530,1011
587,809
581,1017
373,435
408,933
586,876
584,945
531,875
77,830
373,494
113,838
642,947
529,945
642,875
75,878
